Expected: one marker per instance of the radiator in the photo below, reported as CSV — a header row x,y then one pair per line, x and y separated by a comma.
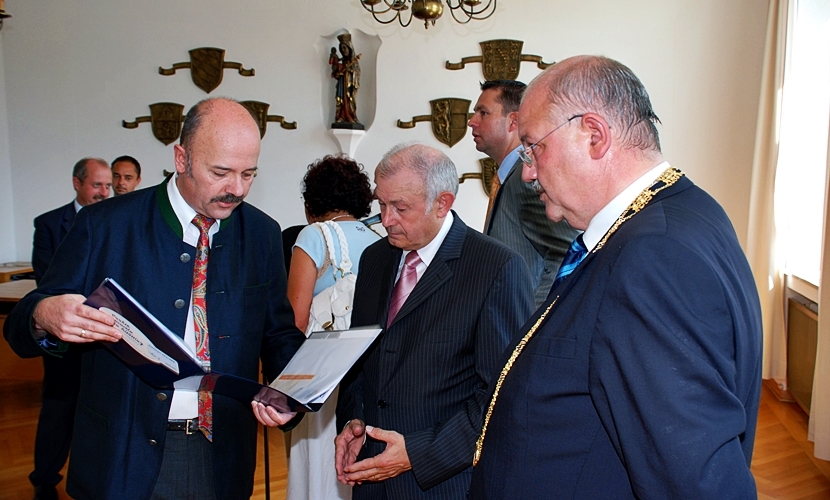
x,y
802,334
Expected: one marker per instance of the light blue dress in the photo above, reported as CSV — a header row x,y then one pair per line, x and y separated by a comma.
x,y
311,474
358,236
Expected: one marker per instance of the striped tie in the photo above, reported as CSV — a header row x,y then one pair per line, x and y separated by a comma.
x,y
576,252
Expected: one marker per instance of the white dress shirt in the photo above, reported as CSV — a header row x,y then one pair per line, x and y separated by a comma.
x,y
185,402
605,218
427,253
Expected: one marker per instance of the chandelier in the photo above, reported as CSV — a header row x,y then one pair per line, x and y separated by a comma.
x,y
463,11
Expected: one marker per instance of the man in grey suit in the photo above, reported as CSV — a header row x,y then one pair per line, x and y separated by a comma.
x,y
517,215
450,300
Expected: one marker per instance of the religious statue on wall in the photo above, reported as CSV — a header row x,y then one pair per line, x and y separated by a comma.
x,y
346,71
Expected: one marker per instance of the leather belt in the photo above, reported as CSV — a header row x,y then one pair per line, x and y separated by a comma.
x,y
189,426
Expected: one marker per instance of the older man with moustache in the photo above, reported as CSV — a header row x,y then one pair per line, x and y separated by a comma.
x,y
209,267
640,377
450,300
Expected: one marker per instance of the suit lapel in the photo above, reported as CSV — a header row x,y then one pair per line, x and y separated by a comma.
x,y
436,275
68,218
681,185
388,269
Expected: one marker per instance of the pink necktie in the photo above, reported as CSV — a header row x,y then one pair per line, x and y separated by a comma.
x,y
404,286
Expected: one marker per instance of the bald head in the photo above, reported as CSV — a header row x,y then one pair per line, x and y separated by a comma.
x,y
217,157
598,84
590,128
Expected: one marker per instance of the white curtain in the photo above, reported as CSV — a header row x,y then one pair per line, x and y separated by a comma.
x,y
766,261
819,427
761,246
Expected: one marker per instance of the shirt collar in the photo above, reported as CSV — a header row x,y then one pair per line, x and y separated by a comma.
x,y
507,163
428,252
184,212
605,218
78,206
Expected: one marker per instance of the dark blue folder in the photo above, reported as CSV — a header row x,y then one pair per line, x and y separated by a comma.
x,y
172,360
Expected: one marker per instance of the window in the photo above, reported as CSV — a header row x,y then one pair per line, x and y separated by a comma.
x,y
802,161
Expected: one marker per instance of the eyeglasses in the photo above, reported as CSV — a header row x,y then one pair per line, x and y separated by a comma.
x,y
524,153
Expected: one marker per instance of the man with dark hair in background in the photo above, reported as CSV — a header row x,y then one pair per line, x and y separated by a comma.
x,y
516,215
91,179
210,268
126,174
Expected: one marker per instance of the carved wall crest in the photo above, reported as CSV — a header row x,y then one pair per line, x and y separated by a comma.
x,y
207,65
500,59
449,119
260,111
166,120
487,169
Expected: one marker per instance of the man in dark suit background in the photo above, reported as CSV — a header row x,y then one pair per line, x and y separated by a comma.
x,y
92,180
416,396
517,215
640,377
132,441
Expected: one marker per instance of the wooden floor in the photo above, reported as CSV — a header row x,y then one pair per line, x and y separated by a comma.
x,y
783,462
19,406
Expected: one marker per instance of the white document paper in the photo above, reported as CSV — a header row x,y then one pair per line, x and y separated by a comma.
x,y
142,345
321,362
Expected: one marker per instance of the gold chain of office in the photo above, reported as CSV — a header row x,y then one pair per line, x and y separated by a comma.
x,y
666,179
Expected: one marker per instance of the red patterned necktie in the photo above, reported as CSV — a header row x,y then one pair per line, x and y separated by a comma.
x,y
200,325
404,286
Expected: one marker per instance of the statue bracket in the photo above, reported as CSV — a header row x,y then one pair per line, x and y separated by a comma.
x,y
348,139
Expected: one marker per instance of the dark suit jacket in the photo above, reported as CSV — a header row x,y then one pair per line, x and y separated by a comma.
x,y
644,379
427,375
518,220
137,240
50,230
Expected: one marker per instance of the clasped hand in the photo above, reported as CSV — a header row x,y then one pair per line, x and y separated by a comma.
x,y
392,462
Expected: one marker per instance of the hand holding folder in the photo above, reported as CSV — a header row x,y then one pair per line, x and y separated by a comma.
x,y
161,358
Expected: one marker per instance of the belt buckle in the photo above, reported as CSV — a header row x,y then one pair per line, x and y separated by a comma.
x,y
191,426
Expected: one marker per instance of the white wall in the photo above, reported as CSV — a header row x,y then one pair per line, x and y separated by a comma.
x,y
7,222
74,69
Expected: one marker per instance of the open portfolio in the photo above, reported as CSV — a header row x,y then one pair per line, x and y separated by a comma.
x,y
162,359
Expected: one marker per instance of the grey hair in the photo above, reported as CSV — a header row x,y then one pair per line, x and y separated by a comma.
x,y
437,172
607,87
79,171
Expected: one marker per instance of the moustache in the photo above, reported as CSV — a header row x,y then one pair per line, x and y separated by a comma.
x,y
536,186
227,198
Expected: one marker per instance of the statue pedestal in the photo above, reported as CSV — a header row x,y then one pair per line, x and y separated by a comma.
x,y
347,139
